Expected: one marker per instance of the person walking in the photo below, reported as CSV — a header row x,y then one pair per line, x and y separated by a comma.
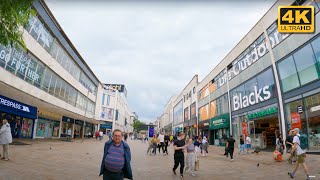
x,y
197,145
69,135
101,135
161,140
166,143
242,145
97,135
179,146
279,144
204,146
248,143
230,146
289,145
143,138
154,142
191,157
74,134
125,137
116,159
5,139
301,155
150,148
109,135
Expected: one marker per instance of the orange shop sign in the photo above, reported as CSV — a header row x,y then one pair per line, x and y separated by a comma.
x,y
295,120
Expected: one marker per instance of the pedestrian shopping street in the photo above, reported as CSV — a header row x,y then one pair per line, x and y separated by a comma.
x,y
81,160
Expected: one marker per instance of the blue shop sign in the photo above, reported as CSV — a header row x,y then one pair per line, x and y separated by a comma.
x,y
105,126
17,108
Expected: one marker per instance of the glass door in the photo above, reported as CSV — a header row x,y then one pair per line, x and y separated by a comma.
x,y
252,130
15,124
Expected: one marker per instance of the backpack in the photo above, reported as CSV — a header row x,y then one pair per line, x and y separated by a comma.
x,y
303,141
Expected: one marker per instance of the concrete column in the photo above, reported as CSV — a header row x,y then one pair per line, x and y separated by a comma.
x,y
34,128
282,122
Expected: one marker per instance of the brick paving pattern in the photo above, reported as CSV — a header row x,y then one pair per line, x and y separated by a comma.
x,y
81,160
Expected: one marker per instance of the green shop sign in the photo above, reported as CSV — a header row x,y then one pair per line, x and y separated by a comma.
x,y
219,122
263,113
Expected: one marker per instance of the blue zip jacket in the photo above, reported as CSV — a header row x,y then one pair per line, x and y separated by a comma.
x,y
127,158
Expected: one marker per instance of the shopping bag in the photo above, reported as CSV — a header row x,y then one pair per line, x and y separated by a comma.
x,y
196,166
277,156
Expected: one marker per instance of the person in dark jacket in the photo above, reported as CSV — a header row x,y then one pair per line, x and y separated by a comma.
x,y
116,159
166,142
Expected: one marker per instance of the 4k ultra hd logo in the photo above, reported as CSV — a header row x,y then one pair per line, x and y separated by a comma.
x,y
296,19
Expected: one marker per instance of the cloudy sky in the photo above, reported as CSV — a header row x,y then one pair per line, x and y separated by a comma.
x,y
155,47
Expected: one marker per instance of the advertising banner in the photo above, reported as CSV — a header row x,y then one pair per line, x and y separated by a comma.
x,y
244,128
295,120
178,114
151,131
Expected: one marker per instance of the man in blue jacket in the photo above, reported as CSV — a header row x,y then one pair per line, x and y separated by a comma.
x,y
116,159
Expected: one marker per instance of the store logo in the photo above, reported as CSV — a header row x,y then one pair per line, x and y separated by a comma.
x,y
259,95
296,19
14,105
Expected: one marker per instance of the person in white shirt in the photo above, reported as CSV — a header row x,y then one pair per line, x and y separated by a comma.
x,y
161,138
100,135
69,134
248,143
301,154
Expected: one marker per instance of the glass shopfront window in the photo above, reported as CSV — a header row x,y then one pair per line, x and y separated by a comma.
x,y
313,114
306,64
47,128
296,120
288,74
300,68
308,120
65,127
27,125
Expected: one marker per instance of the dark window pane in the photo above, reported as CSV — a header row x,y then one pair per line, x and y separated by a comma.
x,y
46,80
53,84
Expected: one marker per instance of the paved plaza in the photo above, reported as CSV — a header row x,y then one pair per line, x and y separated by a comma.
x,y
81,160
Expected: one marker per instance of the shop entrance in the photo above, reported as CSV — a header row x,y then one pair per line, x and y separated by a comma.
x,y
264,132
20,127
219,137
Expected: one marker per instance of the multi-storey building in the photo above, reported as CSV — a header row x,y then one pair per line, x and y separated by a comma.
x,y
268,83
115,112
167,117
184,111
46,88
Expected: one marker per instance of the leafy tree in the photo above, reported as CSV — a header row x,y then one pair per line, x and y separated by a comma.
x,y
13,15
137,125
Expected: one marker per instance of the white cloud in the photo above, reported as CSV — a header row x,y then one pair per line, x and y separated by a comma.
x,y
155,48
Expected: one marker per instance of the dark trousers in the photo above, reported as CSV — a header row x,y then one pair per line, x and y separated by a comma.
x,y
165,148
112,176
231,150
154,151
179,159
162,146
